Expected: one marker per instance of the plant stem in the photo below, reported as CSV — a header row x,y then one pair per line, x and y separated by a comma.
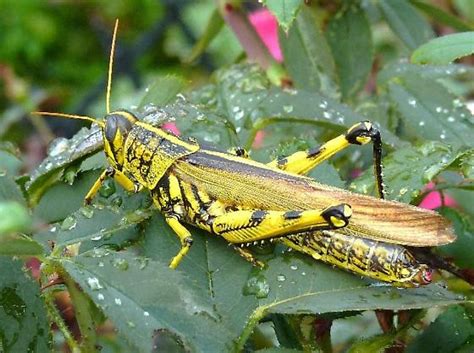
x,y
253,321
55,317
246,34
83,313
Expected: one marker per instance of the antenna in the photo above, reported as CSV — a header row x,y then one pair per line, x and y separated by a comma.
x,y
71,116
109,86
111,64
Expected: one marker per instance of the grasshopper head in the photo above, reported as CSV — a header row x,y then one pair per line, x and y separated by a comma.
x,y
115,130
415,276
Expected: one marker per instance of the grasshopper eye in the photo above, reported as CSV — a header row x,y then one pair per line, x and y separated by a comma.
x,y
114,123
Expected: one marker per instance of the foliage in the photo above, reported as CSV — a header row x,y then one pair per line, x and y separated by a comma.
x,y
341,65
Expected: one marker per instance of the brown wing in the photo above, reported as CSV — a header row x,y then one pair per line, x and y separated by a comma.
x,y
240,181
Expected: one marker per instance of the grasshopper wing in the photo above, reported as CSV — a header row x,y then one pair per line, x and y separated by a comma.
x,y
253,185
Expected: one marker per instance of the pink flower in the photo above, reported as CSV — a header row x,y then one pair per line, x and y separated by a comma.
x,y
267,29
171,127
433,199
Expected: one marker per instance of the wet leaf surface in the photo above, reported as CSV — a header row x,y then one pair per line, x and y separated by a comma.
x,y
24,326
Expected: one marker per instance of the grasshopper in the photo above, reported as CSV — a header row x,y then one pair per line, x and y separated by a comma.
x,y
247,202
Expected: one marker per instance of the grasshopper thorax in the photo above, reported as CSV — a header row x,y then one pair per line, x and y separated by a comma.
x,y
115,131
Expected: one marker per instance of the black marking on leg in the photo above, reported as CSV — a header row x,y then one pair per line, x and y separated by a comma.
x,y
363,129
110,172
292,214
314,152
257,217
337,212
240,152
282,161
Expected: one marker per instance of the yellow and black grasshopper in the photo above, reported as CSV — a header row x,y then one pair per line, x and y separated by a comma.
x,y
247,202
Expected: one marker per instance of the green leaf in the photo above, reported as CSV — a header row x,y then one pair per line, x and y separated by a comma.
x,y
374,344
308,57
9,190
442,16
465,8
162,91
278,350
146,297
401,69
284,10
18,219
10,163
461,250
24,326
290,284
407,170
467,164
350,38
406,22
213,28
447,333
244,96
444,50
62,153
430,111
195,120
62,199
19,245
96,226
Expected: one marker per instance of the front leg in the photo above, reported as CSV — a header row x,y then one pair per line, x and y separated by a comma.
x,y
247,226
119,176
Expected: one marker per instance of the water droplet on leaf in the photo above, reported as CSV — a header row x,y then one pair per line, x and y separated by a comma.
x,y
69,223
94,283
258,286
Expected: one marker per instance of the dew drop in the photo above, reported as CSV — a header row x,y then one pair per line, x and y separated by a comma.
x,y
288,108
146,313
421,123
97,237
107,189
294,267
87,211
258,286
69,223
412,102
121,264
239,115
451,119
281,278
100,296
93,283
439,109
118,301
